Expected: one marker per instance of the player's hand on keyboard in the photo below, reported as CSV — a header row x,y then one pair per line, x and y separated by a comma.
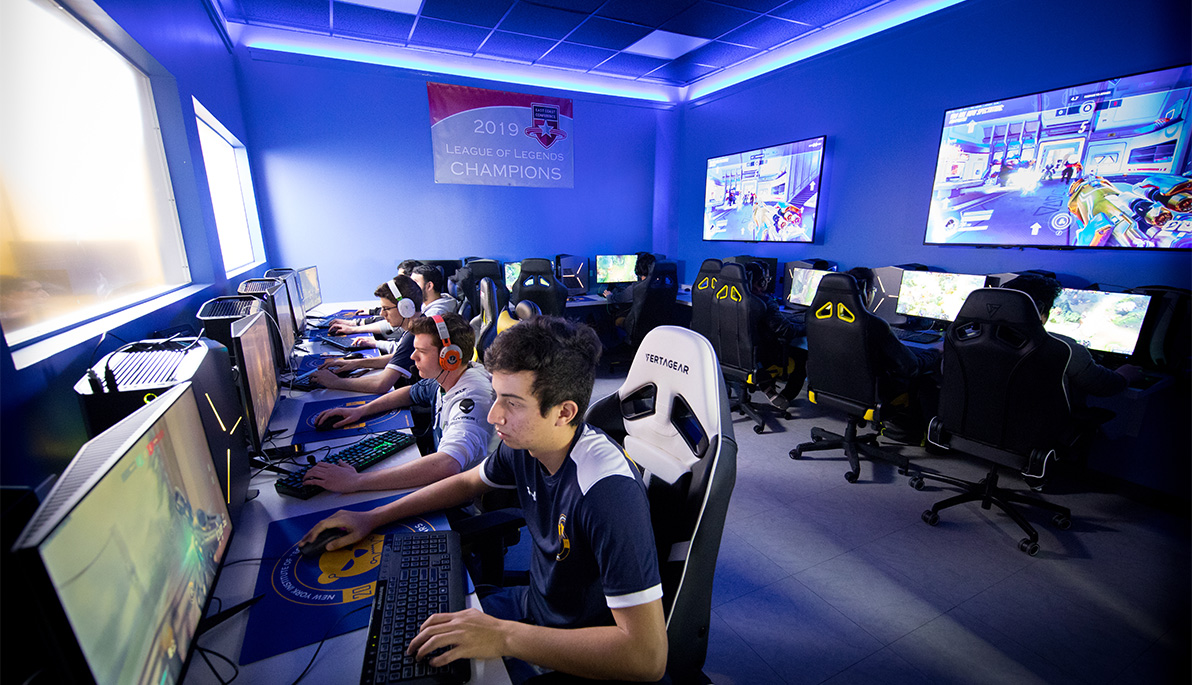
x,y
364,342
338,477
1130,372
356,524
339,364
467,634
341,327
323,377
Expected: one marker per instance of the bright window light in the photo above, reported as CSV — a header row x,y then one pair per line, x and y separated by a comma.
x,y
232,196
87,217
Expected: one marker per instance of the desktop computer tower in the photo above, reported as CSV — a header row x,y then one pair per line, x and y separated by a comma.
x,y
134,375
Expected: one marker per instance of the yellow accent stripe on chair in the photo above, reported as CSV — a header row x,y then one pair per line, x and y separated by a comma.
x,y
841,312
824,312
735,294
868,415
811,396
722,293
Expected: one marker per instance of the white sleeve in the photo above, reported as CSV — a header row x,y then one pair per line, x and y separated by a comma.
x,y
466,430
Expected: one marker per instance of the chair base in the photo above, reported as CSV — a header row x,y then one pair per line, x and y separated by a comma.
x,y
854,447
987,492
740,402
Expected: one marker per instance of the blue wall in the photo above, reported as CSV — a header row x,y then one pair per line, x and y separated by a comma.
x,y
342,154
881,101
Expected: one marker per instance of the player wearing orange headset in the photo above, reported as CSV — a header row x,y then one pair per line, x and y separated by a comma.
x,y
461,393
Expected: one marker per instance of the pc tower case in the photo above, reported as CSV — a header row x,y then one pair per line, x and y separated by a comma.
x,y
219,313
129,378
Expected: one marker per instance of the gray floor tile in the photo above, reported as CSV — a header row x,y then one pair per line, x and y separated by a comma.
x,y
731,661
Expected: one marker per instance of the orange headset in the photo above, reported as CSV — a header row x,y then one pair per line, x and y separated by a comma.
x,y
450,357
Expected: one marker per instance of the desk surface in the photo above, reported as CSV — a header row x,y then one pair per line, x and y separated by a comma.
x,y
340,659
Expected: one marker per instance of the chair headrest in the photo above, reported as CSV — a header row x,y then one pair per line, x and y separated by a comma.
x,y
673,402
1000,306
526,309
537,266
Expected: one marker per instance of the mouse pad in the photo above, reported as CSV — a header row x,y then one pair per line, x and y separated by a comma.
x,y
307,600
311,362
305,430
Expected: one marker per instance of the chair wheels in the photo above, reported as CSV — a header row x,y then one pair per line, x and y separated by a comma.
x,y
851,476
759,429
796,453
916,482
930,518
1027,547
1062,522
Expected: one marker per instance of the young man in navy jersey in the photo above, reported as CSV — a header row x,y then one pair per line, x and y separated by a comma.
x,y
594,604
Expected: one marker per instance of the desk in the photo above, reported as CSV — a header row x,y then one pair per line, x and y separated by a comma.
x,y
340,659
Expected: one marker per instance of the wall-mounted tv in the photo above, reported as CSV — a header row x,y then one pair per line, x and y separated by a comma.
x,y
1102,164
767,195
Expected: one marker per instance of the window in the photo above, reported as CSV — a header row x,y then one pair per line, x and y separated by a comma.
x,y
232,196
88,223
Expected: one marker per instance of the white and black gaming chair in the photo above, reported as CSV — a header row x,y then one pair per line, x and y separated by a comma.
x,y
672,417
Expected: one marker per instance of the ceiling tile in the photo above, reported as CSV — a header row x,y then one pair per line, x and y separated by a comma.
x,y
653,13
753,5
515,46
708,20
719,54
681,71
476,12
607,33
666,45
765,32
407,6
821,12
352,19
540,21
308,14
575,56
625,64
585,6
446,34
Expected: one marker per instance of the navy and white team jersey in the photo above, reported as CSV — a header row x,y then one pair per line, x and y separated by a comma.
x,y
461,427
401,350
590,525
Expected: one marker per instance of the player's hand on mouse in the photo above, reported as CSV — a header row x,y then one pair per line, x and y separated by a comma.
x,y
337,477
340,327
1131,372
346,416
467,634
356,525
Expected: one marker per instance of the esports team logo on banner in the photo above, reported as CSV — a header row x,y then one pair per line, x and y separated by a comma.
x,y
338,577
491,137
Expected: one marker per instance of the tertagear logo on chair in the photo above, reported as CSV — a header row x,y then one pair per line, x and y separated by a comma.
x,y
546,125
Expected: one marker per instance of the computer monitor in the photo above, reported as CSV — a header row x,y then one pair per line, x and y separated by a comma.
x,y
257,379
512,271
803,284
935,295
122,555
277,306
615,268
1107,322
771,264
289,278
573,273
308,288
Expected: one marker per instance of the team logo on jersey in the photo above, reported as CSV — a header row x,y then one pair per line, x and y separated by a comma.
x,y
467,405
563,538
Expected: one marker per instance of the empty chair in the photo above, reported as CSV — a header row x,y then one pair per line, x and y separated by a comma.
x,y
703,297
538,284
653,305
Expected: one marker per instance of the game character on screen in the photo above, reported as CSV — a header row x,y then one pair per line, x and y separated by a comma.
x,y
373,325
459,391
594,604
401,304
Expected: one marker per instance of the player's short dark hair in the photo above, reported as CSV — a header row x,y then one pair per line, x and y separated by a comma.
x,y
1042,289
460,331
405,286
433,275
407,266
645,262
562,354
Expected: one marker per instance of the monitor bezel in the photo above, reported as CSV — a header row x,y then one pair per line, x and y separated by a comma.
x,y
902,282
256,435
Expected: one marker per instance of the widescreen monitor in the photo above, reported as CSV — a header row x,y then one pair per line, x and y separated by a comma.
x,y
512,271
289,278
308,288
615,268
935,295
1102,164
803,284
257,379
1107,322
122,555
765,195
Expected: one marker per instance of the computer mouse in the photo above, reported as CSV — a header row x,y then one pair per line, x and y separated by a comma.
x,y
327,423
319,545
354,355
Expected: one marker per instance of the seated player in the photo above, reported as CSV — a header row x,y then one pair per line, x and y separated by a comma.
x,y
401,302
435,299
624,296
781,331
461,394
374,326
593,607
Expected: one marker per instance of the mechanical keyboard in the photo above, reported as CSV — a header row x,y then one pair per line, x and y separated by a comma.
x,y
917,336
360,456
419,574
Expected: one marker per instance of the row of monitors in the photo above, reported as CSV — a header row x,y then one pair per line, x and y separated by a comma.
x,y
576,272
1103,321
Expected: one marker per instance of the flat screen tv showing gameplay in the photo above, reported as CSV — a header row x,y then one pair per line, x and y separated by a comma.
x,y
123,554
615,268
935,295
769,195
1098,165
1107,322
803,284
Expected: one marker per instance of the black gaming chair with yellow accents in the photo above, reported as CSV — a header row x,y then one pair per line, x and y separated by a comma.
x,y
738,317
703,297
842,372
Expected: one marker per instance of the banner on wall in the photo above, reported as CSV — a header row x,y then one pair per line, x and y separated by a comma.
x,y
494,138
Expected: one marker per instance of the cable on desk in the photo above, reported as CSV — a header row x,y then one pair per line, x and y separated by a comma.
x,y
203,652
329,629
248,561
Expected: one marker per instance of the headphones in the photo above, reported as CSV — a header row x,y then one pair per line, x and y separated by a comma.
x,y
405,306
759,272
450,357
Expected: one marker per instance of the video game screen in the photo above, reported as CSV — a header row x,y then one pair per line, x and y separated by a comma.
x,y
512,271
804,283
935,295
135,560
1103,164
615,268
766,195
1108,322
308,286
